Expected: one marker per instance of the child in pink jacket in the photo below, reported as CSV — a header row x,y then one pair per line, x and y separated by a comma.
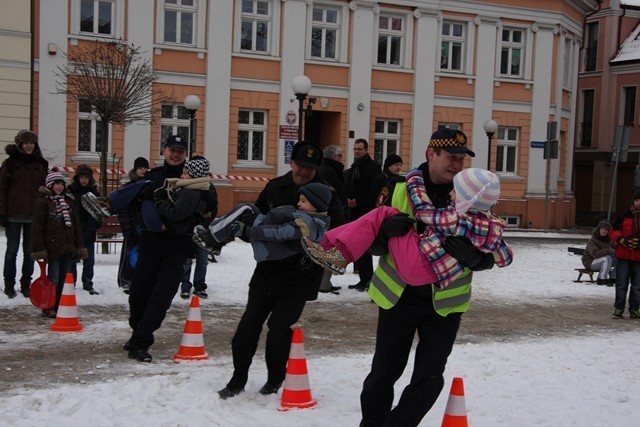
x,y
421,258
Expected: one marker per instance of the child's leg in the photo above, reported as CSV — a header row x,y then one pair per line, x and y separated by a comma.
x,y
222,229
354,238
411,264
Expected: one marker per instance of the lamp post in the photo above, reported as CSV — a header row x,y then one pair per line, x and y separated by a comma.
x,y
490,127
191,104
301,86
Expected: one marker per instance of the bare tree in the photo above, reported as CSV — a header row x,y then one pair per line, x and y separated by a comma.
x,y
117,81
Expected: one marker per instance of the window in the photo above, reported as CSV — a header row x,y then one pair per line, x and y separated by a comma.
x,y
325,32
453,46
390,39
252,132
591,46
512,52
179,21
387,136
568,63
586,117
507,157
629,105
97,17
174,120
454,126
89,129
256,18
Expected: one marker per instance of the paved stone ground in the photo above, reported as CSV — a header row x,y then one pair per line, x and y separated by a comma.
x,y
32,357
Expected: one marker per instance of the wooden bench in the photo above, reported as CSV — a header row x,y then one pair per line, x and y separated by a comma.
x,y
581,271
109,234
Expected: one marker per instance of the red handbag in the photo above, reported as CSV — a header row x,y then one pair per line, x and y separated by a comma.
x,y
43,292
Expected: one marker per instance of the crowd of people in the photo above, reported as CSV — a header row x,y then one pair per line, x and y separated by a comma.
x,y
431,229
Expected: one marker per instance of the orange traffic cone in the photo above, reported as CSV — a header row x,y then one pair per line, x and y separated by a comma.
x,y
192,342
455,415
67,317
296,392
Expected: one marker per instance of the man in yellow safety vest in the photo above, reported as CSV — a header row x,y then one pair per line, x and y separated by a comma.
x,y
432,312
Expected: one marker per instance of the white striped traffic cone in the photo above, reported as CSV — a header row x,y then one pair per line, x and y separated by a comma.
x,y
67,317
296,392
455,415
192,342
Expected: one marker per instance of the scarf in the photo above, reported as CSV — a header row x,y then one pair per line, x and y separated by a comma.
x,y
636,221
171,184
61,208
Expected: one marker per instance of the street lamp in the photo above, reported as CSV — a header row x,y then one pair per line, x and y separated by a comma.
x,y
301,86
191,104
490,127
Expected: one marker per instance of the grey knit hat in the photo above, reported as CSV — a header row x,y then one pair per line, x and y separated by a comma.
x,y
319,195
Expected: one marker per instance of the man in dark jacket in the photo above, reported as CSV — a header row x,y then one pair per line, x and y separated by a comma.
x,y
278,290
359,178
20,177
161,253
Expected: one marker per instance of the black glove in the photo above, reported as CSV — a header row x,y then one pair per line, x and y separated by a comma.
x,y
467,255
146,192
396,225
3,221
248,218
159,196
629,241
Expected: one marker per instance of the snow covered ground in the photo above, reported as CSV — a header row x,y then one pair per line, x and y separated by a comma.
x,y
569,381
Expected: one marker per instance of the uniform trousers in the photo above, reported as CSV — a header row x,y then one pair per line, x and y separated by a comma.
x,y
282,314
397,327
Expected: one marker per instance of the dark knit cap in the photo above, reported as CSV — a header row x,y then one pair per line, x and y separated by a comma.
x,y
392,159
141,162
636,195
604,224
319,195
84,170
25,135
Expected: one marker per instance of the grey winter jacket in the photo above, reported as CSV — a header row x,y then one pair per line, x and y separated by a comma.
x,y
277,234
597,247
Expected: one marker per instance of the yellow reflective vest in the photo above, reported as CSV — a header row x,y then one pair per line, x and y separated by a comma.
x,y
386,286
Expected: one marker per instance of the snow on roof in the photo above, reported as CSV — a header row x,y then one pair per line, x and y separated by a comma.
x,y
630,49
630,3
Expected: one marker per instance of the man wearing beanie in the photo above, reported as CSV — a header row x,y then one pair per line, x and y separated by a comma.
x,y
359,178
162,251
390,173
21,174
279,289
432,313
625,233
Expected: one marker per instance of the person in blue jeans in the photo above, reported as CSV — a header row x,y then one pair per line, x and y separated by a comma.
x,y
199,275
83,183
626,234
21,174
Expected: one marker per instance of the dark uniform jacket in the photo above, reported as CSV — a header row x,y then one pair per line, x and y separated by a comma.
x,y
333,174
20,177
359,178
295,277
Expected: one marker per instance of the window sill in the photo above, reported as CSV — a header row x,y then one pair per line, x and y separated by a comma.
x,y
393,69
517,80
73,38
332,62
509,176
252,166
256,55
158,48
90,157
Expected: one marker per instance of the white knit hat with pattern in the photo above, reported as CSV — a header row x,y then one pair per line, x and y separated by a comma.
x,y
198,167
476,189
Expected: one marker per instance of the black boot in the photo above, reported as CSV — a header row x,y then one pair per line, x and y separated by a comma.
x,y
8,289
269,388
24,289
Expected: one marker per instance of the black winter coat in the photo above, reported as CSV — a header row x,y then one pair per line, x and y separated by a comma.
x,y
295,277
359,178
333,174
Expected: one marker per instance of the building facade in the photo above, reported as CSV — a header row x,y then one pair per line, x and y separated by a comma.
x,y
15,70
608,98
391,72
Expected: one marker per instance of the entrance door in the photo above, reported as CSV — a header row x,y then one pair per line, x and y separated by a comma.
x,y
323,128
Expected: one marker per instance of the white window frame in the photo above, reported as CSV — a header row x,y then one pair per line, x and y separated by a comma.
x,y
406,36
199,24
525,45
273,39
92,154
507,142
341,27
117,20
568,58
175,122
385,137
253,128
624,94
454,126
450,39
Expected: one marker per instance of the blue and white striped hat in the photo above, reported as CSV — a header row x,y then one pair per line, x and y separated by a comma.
x,y
476,189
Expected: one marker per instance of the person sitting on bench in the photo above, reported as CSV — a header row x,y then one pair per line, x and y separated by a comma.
x,y
599,254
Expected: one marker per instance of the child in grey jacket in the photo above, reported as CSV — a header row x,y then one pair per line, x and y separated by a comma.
x,y
275,235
